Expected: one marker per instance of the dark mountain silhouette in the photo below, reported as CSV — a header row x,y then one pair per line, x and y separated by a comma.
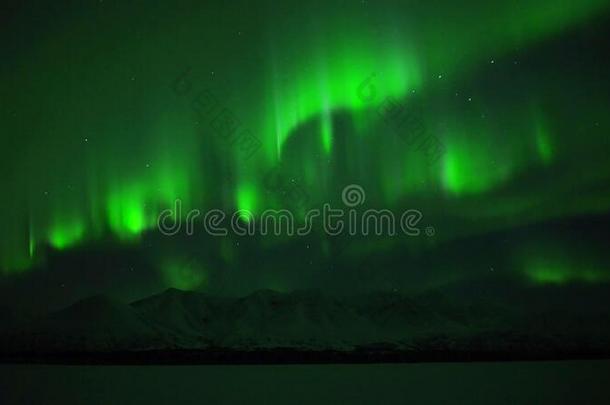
x,y
97,323
430,326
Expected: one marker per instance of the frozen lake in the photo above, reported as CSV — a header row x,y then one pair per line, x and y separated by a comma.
x,y
579,382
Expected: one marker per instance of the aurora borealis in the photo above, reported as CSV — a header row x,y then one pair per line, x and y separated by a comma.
x,y
111,112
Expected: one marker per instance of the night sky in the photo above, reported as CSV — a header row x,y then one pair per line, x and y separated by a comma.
x,y
490,118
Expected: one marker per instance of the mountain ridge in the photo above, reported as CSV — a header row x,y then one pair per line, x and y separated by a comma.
x,y
266,321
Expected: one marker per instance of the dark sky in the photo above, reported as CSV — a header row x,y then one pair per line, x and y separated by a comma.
x,y
489,118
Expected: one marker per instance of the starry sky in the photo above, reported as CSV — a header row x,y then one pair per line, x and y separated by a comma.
x,y
490,118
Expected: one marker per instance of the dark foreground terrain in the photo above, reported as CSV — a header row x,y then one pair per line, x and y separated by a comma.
x,y
183,327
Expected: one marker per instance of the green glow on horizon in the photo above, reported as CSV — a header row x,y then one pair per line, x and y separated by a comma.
x,y
183,274
132,207
471,167
31,241
559,272
327,132
126,214
32,246
543,144
66,234
247,199
15,263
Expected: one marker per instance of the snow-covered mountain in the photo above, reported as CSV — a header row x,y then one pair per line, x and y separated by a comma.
x,y
266,320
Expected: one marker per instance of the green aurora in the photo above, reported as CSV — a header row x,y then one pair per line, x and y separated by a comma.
x,y
107,120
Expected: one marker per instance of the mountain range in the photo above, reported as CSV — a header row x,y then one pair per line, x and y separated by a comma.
x,y
193,326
